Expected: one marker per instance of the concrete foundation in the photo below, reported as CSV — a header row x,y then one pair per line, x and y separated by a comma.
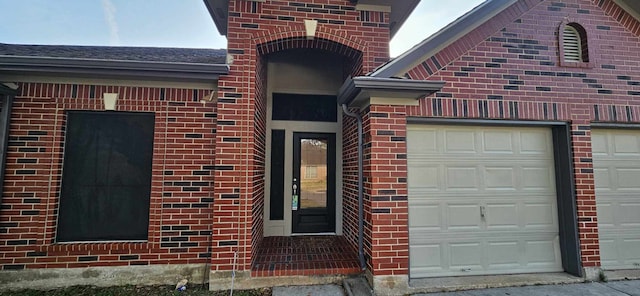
x,y
592,274
243,280
447,284
45,279
389,284
401,285
623,274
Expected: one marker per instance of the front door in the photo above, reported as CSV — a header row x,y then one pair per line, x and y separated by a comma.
x,y
314,183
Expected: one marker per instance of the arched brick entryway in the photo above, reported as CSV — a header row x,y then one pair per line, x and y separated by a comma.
x,y
351,63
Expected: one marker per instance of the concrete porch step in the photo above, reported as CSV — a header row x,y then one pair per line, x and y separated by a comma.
x,y
355,286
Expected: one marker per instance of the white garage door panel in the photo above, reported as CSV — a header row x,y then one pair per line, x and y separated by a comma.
x,y
480,255
540,215
426,216
616,161
482,200
616,250
429,259
501,216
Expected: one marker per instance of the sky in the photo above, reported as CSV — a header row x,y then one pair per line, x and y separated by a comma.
x,y
167,23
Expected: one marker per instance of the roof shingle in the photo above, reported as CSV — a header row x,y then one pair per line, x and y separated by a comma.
x,y
143,54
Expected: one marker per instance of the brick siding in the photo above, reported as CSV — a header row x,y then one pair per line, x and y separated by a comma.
x,y
386,204
181,190
509,68
255,30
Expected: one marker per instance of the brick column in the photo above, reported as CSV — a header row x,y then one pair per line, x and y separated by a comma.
x,y
585,196
386,204
235,149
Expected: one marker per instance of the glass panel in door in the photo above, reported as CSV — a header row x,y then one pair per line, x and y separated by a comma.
x,y
313,202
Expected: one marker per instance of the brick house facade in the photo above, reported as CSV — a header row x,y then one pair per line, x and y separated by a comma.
x,y
215,208
531,84
509,71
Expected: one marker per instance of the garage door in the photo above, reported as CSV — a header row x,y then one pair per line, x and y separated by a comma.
x,y
481,201
616,162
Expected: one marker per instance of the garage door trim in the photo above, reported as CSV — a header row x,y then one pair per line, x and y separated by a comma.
x,y
484,122
565,179
605,125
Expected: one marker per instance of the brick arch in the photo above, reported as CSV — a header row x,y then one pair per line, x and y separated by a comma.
x,y
294,37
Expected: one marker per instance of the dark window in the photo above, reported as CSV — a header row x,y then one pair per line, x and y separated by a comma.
x,y
276,211
106,180
305,107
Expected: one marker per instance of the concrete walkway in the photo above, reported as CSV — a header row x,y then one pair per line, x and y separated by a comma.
x,y
316,290
619,288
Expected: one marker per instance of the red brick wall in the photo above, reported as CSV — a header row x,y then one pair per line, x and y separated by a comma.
x,y
509,68
350,180
260,124
256,29
350,168
386,207
182,187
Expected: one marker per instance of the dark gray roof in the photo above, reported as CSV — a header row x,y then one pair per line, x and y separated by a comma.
x,y
153,63
632,6
142,54
400,11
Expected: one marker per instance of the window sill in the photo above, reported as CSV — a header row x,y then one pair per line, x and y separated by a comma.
x,y
98,246
584,65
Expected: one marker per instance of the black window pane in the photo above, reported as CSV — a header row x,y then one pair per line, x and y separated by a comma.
x,y
305,107
276,211
106,180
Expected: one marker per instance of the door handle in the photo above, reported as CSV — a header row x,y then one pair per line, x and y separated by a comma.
x,y
483,212
294,197
295,186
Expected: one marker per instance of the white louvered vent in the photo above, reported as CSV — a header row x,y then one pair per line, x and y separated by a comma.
x,y
572,45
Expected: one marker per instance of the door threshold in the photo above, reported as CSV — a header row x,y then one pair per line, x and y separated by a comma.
x,y
313,234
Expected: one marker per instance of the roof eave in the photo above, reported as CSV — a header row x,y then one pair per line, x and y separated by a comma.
x,y
220,21
112,68
442,38
404,15
219,11
631,7
361,88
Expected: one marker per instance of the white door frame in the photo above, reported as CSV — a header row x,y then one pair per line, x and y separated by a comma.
x,y
283,227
